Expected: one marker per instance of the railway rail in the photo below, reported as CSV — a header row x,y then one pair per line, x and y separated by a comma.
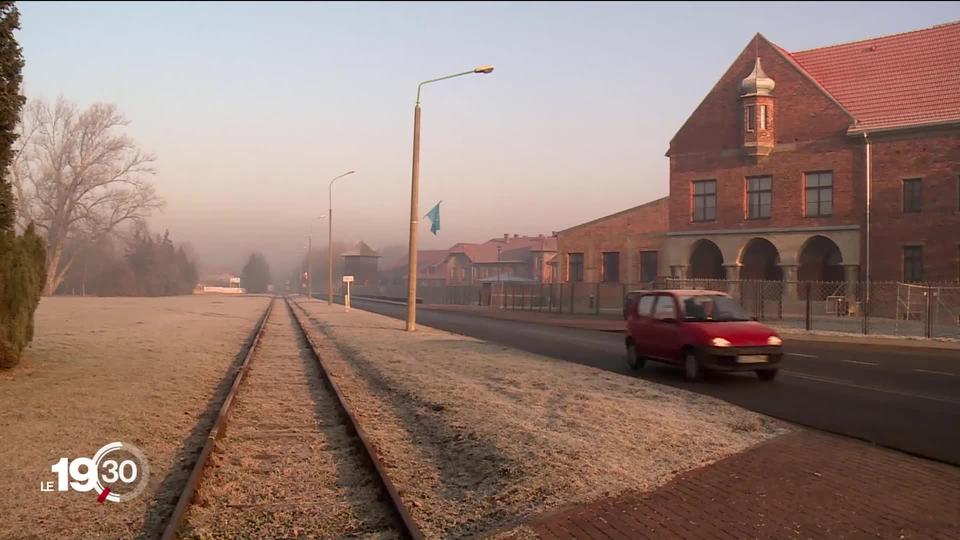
x,y
268,369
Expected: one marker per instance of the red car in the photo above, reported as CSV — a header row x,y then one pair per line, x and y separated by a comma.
x,y
699,330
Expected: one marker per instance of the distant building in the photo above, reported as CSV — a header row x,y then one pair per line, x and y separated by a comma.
x,y
363,264
517,258
620,248
836,163
215,285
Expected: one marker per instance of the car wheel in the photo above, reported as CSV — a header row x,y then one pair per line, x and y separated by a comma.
x,y
767,374
634,360
691,366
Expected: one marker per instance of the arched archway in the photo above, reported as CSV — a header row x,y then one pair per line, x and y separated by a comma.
x,y
706,261
820,260
760,259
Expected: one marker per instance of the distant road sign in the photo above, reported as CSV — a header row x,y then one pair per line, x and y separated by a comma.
x,y
347,279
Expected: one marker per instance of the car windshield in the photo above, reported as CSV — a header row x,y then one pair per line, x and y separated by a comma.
x,y
712,308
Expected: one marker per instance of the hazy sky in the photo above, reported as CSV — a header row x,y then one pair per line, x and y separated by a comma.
x,y
252,107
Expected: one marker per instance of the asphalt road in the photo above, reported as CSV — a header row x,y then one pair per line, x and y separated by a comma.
x,y
898,397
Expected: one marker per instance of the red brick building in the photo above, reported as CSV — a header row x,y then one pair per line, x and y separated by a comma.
x,y
513,259
836,163
363,264
620,248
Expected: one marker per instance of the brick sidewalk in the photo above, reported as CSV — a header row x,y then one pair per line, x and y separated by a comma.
x,y
801,485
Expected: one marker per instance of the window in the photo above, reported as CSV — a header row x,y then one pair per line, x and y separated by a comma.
x,y
818,194
750,121
648,266
763,117
759,196
912,264
705,200
575,265
611,266
644,305
665,308
912,195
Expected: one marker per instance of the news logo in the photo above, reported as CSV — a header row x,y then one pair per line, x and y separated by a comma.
x,y
118,472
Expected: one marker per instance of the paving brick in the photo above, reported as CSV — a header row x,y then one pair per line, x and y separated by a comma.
x,y
802,485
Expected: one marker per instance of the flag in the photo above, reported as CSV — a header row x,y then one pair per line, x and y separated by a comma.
x,y
434,216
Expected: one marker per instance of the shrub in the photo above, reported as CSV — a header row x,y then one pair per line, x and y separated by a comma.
x,y
22,273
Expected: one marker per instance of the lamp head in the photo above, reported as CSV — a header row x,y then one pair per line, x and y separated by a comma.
x,y
484,69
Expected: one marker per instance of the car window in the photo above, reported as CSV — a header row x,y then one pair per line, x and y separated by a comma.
x,y
712,307
665,308
643,307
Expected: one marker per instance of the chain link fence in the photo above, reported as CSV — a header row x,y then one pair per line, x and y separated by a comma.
x,y
877,308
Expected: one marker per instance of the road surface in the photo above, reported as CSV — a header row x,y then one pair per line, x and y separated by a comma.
x,y
898,397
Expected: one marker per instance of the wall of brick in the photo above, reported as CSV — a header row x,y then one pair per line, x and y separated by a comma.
x,y
811,135
629,232
802,111
934,157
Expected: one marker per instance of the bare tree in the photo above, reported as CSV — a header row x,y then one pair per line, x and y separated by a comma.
x,y
78,177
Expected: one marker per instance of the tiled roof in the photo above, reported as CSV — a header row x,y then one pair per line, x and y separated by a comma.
x,y
361,250
425,259
892,81
512,248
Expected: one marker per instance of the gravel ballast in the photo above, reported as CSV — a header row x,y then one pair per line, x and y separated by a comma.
x,y
479,437
144,371
287,465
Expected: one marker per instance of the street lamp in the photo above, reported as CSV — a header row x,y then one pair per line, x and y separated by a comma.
x,y
414,199
330,238
499,282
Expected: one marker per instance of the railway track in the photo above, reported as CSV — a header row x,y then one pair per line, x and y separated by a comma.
x,y
295,461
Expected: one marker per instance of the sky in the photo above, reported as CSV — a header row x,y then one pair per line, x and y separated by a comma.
x,y
251,108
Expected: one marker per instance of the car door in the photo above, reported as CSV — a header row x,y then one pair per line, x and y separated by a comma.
x,y
664,329
639,324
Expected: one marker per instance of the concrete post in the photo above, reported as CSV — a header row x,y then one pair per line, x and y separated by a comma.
x,y
678,271
790,282
852,274
733,280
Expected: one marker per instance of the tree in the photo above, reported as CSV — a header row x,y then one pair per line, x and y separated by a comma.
x,y
11,102
77,177
22,259
255,277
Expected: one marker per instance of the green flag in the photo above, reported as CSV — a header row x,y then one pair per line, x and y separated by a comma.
x,y
434,216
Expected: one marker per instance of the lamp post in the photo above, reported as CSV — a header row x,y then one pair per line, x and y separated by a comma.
x,y
499,282
330,238
414,200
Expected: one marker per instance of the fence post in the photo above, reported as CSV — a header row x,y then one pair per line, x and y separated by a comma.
x,y
808,310
573,297
929,315
560,299
596,305
865,304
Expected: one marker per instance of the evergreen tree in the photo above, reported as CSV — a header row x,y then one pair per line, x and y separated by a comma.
x,y
11,101
255,277
22,259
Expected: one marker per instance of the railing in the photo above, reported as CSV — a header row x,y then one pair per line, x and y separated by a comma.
x,y
877,308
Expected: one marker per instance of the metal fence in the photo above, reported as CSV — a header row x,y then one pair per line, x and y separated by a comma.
x,y
877,308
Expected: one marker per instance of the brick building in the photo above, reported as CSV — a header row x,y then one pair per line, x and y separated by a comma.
x,y
431,272
620,248
362,263
513,258
836,163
